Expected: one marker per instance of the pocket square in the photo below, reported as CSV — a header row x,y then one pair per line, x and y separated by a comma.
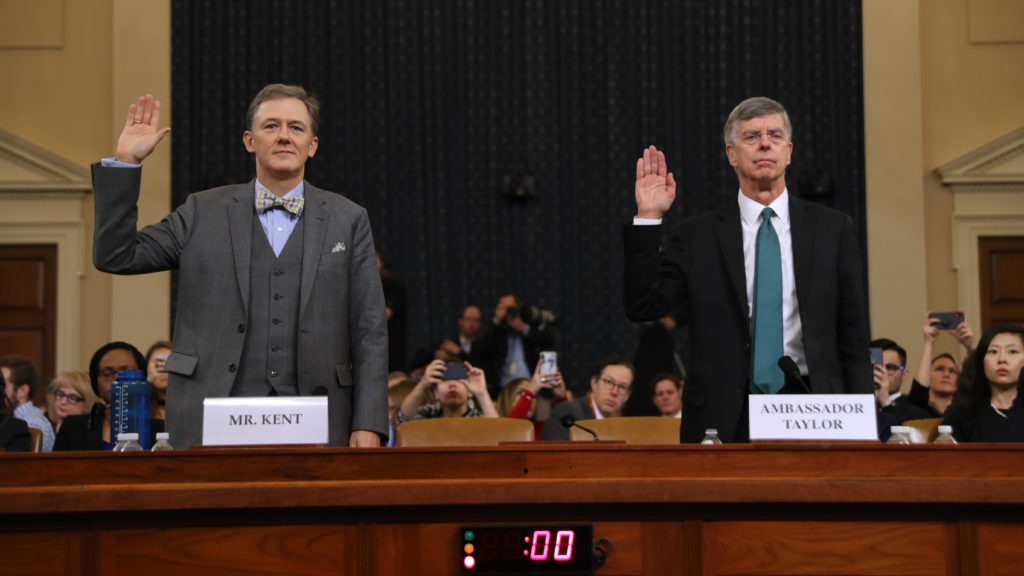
x,y
339,247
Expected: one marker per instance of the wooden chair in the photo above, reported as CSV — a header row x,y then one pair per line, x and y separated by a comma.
x,y
923,430
35,439
632,429
464,431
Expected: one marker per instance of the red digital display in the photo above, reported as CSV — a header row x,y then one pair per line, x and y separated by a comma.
x,y
527,549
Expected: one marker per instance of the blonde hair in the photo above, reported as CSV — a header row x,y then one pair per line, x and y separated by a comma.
x,y
509,395
73,379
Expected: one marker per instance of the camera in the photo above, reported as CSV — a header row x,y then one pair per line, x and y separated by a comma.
x,y
947,320
532,315
454,371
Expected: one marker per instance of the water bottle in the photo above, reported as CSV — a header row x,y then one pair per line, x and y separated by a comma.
x,y
129,442
711,437
129,405
945,435
162,442
898,435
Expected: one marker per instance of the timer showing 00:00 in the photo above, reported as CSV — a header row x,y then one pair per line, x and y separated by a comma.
x,y
527,549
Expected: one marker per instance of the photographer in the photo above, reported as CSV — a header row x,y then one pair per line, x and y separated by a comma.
x,y
513,344
454,384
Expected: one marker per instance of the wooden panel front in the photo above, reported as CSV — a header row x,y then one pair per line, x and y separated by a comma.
x,y
28,308
1000,549
812,548
1001,267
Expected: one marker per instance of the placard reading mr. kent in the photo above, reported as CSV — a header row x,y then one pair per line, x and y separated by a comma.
x,y
813,417
271,420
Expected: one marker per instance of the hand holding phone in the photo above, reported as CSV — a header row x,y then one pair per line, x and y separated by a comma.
x,y
947,320
876,356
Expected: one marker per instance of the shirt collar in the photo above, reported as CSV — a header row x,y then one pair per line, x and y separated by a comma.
x,y
750,211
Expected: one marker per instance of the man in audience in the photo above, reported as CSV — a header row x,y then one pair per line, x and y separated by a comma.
x,y
889,381
456,385
21,380
610,386
668,394
511,348
469,329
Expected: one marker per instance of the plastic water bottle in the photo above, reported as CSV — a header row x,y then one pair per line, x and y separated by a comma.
x,y
162,442
711,437
129,442
129,405
945,435
899,435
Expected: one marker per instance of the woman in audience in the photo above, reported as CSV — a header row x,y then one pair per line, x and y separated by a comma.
x,y
156,374
993,410
938,378
535,397
91,431
68,394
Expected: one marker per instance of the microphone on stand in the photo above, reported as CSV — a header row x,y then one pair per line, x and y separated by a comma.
x,y
792,372
568,421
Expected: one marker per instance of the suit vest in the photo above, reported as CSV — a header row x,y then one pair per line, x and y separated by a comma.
x,y
269,358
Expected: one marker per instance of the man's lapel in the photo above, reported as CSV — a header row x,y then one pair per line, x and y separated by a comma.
x,y
240,216
315,223
730,239
801,234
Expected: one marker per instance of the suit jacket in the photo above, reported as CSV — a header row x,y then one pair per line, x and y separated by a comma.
x,y
579,409
80,432
14,436
342,331
702,269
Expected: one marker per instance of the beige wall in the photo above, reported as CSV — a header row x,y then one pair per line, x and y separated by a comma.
x,y
930,95
64,97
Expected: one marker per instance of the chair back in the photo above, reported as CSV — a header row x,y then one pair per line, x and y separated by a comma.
x,y
35,439
464,431
631,429
923,430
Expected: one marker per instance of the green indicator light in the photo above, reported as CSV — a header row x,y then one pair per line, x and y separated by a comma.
x,y
468,536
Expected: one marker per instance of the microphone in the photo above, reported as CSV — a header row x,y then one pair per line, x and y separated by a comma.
x,y
568,421
792,371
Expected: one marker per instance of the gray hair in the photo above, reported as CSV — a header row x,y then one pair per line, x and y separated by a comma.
x,y
280,91
751,108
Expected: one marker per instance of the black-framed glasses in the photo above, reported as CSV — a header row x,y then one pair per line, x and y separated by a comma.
x,y
613,385
72,398
894,368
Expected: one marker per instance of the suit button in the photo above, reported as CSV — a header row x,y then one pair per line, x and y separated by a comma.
x,y
746,346
275,321
275,348
273,373
232,367
278,272
277,296
241,327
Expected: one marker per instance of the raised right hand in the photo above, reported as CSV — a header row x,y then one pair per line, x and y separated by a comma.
x,y
655,185
141,133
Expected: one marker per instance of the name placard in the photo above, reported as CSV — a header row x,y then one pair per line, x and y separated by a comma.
x,y
813,417
268,420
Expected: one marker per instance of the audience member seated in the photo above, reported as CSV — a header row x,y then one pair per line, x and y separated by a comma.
x,y
993,410
14,436
397,395
156,374
512,344
92,431
610,386
21,381
889,382
533,399
469,330
939,382
667,394
460,394
69,394
395,377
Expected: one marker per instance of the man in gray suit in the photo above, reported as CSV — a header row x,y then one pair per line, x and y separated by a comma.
x,y
278,289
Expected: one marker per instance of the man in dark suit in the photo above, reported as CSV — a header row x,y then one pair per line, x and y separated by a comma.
x,y
512,346
888,380
708,267
610,387
278,288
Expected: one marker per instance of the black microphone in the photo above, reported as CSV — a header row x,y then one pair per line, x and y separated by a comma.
x,y
568,421
792,371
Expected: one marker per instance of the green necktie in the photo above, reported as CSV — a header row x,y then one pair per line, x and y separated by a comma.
x,y
767,378
266,200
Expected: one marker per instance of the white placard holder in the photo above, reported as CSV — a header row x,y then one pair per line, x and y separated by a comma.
x,y
267,420
813,417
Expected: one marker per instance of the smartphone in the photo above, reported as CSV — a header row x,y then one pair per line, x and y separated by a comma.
x,y
454,371
947,320
876,356
548,362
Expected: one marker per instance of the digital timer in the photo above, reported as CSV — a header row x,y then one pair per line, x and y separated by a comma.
x,y
527,549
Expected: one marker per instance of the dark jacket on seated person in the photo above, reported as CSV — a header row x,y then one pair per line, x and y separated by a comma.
x,y
974,422
14,436
84,432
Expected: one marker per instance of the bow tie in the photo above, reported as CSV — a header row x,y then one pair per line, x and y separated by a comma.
x,y
265,201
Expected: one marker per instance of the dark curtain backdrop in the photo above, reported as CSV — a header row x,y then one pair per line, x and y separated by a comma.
x,y
433,108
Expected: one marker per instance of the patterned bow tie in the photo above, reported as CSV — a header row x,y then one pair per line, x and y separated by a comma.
x,y
265,200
